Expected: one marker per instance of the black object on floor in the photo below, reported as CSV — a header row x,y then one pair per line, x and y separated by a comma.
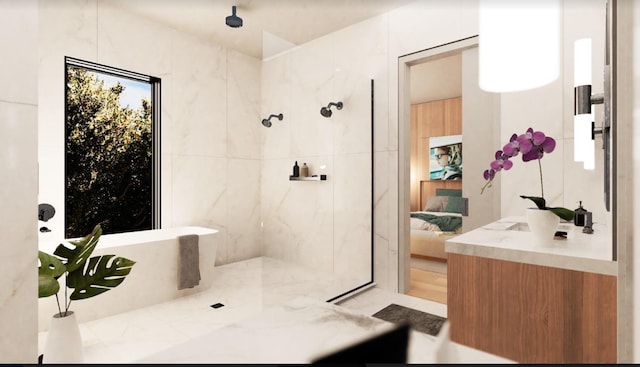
x,y
387,347
217,305
419,321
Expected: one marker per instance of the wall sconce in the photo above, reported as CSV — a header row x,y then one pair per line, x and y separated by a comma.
x,y
583,121
583,116
519,44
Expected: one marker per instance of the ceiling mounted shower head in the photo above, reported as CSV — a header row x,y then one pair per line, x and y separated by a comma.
x,y
267,122
326,111
233,20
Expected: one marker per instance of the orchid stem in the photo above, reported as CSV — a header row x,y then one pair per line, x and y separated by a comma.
x,y
541,185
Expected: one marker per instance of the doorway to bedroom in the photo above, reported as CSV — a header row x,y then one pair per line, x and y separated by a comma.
x,y
436,171
443,115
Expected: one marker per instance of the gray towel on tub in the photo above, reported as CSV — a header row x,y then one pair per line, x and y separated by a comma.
x,y
188,261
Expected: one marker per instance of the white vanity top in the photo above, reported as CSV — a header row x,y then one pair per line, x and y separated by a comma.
x,y
509,239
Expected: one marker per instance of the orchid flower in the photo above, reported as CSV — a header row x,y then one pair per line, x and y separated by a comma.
x,y
533,145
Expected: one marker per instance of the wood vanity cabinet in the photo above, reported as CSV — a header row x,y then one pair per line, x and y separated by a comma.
x,y
531,313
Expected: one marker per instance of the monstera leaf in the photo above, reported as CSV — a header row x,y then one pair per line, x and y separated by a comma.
x,y
100,274
50,269
83,248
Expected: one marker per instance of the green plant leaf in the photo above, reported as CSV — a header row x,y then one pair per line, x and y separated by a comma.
x,y
540,202
100,274
50,269
83,248
47,286
563,213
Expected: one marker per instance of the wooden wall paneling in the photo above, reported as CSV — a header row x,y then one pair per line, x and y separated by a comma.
x,y
436,118
433,118
531,314
453,116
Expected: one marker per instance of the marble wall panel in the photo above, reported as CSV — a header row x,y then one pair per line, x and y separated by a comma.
x,y
66,28
360,55
352,216
244,127
200,98
277,214
131,42
423,24
200,196
244,209
18,164
312,84
13,18
277,97
381,224
312,205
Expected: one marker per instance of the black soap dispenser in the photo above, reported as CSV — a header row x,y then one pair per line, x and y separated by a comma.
x,y
579,217
296,170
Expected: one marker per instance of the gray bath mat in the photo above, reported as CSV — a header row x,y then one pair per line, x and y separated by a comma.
x,y
419,321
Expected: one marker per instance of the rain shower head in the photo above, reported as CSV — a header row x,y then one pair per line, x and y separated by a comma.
x,y
267,122
233,20
326,111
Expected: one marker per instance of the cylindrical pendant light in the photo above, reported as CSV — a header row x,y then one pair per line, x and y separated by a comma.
x,y
519,44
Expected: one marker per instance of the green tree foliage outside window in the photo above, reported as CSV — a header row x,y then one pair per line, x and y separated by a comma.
x,y
108,158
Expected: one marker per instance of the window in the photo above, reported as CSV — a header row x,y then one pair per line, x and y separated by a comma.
x,y
112,154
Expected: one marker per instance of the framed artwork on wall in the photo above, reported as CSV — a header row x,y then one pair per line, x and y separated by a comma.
x,y
445,157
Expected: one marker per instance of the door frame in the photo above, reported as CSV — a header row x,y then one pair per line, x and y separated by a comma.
x,y
405,63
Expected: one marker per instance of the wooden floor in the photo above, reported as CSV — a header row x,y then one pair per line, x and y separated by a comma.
x,y
428,285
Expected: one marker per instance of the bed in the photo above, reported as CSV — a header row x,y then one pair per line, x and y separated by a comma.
x,y
440,220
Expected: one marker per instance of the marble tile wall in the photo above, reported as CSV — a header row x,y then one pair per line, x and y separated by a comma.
x,y
324,225
19,167
211,141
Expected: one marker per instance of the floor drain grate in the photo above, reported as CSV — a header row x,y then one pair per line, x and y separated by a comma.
x,y
217,305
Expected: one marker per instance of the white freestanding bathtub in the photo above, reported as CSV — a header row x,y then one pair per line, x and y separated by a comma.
x,y
153,279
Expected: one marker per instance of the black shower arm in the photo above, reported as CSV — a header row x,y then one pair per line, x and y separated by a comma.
x,y
279,116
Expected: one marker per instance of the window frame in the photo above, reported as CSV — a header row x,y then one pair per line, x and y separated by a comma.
x,y
155,83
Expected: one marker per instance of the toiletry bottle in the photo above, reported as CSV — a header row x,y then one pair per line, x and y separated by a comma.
x,y
579,217
304,171
296,170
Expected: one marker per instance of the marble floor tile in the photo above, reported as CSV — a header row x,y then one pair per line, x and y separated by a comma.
x,y
256,293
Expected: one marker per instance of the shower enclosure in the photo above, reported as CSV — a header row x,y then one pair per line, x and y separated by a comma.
x,y
325,226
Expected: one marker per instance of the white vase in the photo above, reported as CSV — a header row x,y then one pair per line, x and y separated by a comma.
x,y
64,343
543,225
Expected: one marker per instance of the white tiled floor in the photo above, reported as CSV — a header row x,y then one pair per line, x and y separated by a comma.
x,y
246,289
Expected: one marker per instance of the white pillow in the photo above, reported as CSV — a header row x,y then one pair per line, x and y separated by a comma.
x,y
417,223
420,224
436,203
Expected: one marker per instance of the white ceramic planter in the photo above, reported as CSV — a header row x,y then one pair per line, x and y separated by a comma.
x,y
64,343
543,224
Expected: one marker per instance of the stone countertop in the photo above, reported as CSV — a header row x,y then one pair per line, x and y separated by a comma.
x,y
509,239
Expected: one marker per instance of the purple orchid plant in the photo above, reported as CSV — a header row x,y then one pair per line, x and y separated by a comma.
x,y
532,145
